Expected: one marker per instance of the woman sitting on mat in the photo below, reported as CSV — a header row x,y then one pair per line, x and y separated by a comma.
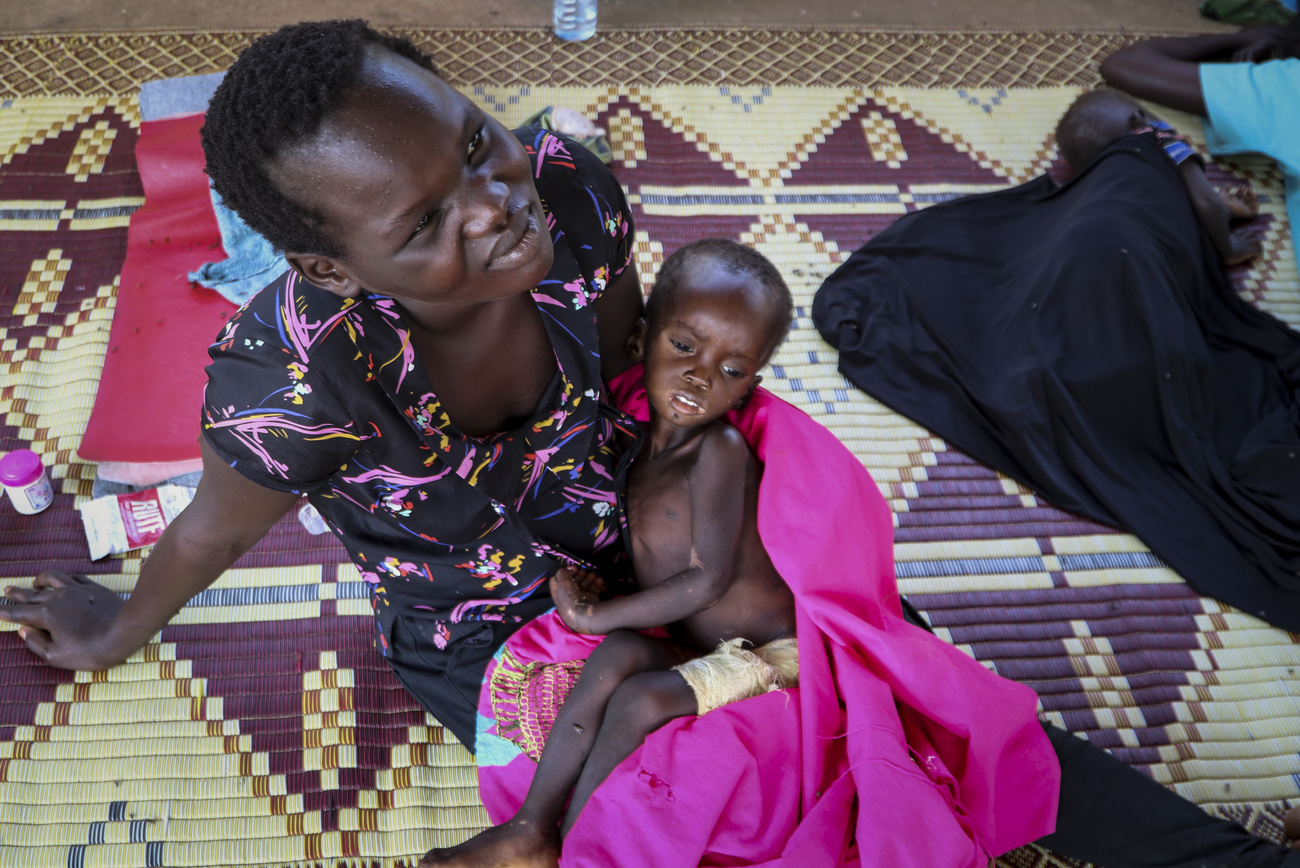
x,y
430,374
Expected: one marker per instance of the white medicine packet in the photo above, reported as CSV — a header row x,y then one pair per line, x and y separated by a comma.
x,y
122,522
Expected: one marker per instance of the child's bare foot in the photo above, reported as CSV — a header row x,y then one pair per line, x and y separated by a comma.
x,y
513,844
1245,247
1241,201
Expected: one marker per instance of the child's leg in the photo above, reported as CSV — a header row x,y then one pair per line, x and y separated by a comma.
x,y
531,836
639,706
619,658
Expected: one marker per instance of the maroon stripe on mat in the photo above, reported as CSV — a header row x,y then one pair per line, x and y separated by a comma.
x,y
1037,597
1136,681
961,503
1148,697
1034,516
1021,668
959,487
992,612
941,532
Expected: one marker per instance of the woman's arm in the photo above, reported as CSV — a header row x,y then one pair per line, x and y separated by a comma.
x,y
1167,71
74,623
617,310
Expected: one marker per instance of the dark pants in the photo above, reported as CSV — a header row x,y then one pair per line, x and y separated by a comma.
x,y
447,681
1114,816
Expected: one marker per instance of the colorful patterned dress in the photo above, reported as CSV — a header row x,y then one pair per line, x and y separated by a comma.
x,y
313,393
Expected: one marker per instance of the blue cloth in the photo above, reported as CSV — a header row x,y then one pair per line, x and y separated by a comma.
x,y
169,97
1255,107
251,261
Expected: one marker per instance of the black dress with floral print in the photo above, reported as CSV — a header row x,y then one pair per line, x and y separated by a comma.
x,y
318,394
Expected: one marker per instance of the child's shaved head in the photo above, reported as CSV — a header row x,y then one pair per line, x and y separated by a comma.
x,y
734,258
1094,121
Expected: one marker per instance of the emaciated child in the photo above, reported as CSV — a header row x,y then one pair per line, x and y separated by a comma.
x,y
717,313
1102,117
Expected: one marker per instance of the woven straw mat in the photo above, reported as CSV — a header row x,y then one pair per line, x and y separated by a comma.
x,y
261,727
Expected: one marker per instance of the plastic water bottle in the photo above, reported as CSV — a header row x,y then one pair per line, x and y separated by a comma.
x,y
575,20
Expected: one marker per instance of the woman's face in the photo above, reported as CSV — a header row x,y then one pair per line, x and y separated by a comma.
x,y
432,200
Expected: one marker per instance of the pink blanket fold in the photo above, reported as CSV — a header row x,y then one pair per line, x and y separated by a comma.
x,y
897,749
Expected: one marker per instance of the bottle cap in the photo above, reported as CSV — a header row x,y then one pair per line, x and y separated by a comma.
x,y
20,467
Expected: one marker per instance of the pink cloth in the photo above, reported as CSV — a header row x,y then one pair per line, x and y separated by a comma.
x,y
897,749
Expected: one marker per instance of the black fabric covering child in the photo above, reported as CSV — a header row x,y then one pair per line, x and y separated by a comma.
x,y
1085,341
1101,117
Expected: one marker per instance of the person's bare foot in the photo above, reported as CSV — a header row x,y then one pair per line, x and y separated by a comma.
x,y
1245,247
1241,201
513,844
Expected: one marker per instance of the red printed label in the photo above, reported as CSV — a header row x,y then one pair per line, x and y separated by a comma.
x,y
142,516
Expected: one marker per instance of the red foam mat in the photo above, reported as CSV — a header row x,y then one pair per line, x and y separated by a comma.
x,y
147,406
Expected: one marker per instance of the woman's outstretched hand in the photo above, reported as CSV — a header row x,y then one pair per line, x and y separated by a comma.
x,y
65,620
576,593
74,623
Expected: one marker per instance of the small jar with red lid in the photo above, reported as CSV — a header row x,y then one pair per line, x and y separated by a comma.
x,y
24,479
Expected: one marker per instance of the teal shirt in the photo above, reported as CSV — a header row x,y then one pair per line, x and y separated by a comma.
x,y
1255,107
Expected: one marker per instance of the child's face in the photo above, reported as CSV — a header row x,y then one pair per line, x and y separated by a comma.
x,y
432,200
703,357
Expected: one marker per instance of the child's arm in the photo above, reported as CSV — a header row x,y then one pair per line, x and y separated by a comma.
x,y
717,486
1232,247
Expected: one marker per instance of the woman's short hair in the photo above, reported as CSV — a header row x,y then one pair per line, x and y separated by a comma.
x,y
275,96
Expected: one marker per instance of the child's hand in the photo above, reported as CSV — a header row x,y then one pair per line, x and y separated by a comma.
x,y
1245,247
1242,203
576,594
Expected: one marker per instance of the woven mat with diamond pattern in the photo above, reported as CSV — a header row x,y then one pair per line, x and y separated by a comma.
x,y
261,728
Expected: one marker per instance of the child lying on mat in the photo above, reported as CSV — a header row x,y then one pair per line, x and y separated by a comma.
x,y
717,313
1102,117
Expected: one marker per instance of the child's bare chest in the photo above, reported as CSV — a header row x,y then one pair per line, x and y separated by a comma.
x,y
660,519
